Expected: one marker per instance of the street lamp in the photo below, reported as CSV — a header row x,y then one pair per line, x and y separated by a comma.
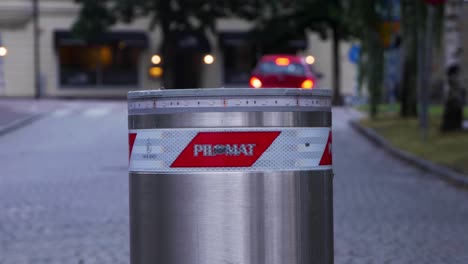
x,y
156,59
208,59
3,51
310,59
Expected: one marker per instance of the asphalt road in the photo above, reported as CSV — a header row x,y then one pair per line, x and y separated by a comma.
x,y
64,196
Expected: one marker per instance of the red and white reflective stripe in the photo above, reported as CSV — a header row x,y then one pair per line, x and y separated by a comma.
x,y
230,149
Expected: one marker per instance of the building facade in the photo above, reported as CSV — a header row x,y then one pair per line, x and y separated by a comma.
x,y
121,59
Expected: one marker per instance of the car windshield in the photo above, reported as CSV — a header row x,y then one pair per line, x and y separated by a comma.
x,y
290,69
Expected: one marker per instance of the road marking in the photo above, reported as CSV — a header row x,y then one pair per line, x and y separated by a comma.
x,y
96,112
61,112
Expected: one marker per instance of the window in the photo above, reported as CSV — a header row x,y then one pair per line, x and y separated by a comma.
x,y
290,69
98,65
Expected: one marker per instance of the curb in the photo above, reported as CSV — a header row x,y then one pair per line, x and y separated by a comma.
x,y
441,171
18,124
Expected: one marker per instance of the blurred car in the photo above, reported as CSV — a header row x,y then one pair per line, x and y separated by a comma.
x,y
283,71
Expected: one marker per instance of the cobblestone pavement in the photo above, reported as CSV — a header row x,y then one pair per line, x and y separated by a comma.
x,y
9,115
389,212
64,188
64,196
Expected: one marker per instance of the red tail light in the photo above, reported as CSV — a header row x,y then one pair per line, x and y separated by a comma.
x,y
255,82
307,84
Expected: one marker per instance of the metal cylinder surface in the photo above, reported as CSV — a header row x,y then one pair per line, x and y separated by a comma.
x,y
230,176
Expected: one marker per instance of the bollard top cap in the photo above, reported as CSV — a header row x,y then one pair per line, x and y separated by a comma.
x,y
215,92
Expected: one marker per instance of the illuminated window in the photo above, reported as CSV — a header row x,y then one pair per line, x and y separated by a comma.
x,y
112,59
98,65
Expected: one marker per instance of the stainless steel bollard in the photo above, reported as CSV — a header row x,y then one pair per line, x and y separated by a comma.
x,y
230,176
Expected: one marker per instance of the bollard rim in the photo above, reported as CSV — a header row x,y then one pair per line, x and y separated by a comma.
x,y
210,92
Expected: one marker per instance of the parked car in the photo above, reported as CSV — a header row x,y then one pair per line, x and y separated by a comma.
x,y
283,71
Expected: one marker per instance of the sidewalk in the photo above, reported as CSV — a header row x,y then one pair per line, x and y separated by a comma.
x,y
16,113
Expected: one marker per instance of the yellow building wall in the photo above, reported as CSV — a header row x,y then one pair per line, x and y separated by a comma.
x,y
18,66
60,15
322,51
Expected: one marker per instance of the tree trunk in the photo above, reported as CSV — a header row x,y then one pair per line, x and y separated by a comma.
x,y
452,118
337,98
375,72
408,85
166,49
167,65
408,95
37,57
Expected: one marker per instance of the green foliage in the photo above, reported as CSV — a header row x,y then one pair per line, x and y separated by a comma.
x,y
403,133
414,16
363,19
178,14
278,20
94,18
